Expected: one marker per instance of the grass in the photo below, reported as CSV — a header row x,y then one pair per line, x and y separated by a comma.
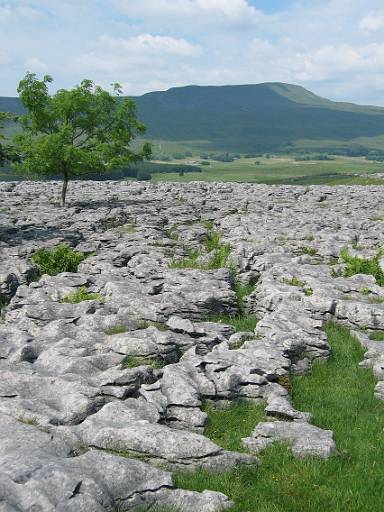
x,y
116,329
357,265
295,281
80,295
283,169
340,396
376,300
310,251
377,336
144,324
59,259
245,323
134,361
218,255
28,421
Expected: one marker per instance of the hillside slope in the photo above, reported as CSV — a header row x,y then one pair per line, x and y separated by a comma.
x,y
249,117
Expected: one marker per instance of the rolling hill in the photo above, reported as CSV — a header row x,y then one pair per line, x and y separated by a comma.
x,y
244,118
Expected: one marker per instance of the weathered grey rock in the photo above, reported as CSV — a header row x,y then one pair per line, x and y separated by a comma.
x,y
120,427
62,370
306,440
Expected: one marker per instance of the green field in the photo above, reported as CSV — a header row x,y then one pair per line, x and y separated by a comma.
x,y
280,170
283,170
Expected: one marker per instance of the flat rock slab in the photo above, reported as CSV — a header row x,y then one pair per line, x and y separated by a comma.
x,y
305,440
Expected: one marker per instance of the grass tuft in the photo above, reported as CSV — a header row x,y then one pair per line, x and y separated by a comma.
x,y
80,295
134,361
357,265
310,251
377,336
217,251
144,324
116,329
240,323
59,259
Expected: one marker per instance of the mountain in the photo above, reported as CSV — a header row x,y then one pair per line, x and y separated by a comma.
x,y
268,116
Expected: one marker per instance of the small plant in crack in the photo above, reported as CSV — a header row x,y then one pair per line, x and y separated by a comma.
x,y
356,265
144,324
310,251
82,294
155,362
115,329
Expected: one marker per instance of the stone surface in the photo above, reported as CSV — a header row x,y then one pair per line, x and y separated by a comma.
x,y
95,397
306,440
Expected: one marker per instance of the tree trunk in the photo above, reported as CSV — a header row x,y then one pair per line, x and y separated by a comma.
x,y
64,188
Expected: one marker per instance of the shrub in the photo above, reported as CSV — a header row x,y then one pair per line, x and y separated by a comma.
x,y
60,259
357,265
81,295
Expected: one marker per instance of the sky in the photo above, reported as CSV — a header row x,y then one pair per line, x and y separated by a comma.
x,y
335,48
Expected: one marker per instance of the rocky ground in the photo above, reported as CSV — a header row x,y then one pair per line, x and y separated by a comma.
x,y
101,400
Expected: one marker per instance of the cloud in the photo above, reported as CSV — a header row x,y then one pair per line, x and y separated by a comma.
x,y
10,13
200,12
148,44
373,22
146,57
34,64
329,46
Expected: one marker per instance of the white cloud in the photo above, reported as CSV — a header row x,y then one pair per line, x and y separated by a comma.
x,y
151,57
373,21
34,64
148,44
232,12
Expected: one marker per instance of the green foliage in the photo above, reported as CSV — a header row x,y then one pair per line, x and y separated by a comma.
x,y
115,329
357,265
75,132
340,395
295,281
59,259
80,295
134,361
7,151
242,291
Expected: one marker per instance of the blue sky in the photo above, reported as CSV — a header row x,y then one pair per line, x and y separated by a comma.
x,y
333,47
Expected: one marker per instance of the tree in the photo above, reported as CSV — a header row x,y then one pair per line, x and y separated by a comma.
x,y
75,132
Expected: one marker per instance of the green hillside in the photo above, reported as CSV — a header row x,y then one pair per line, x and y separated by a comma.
x,y
245,118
